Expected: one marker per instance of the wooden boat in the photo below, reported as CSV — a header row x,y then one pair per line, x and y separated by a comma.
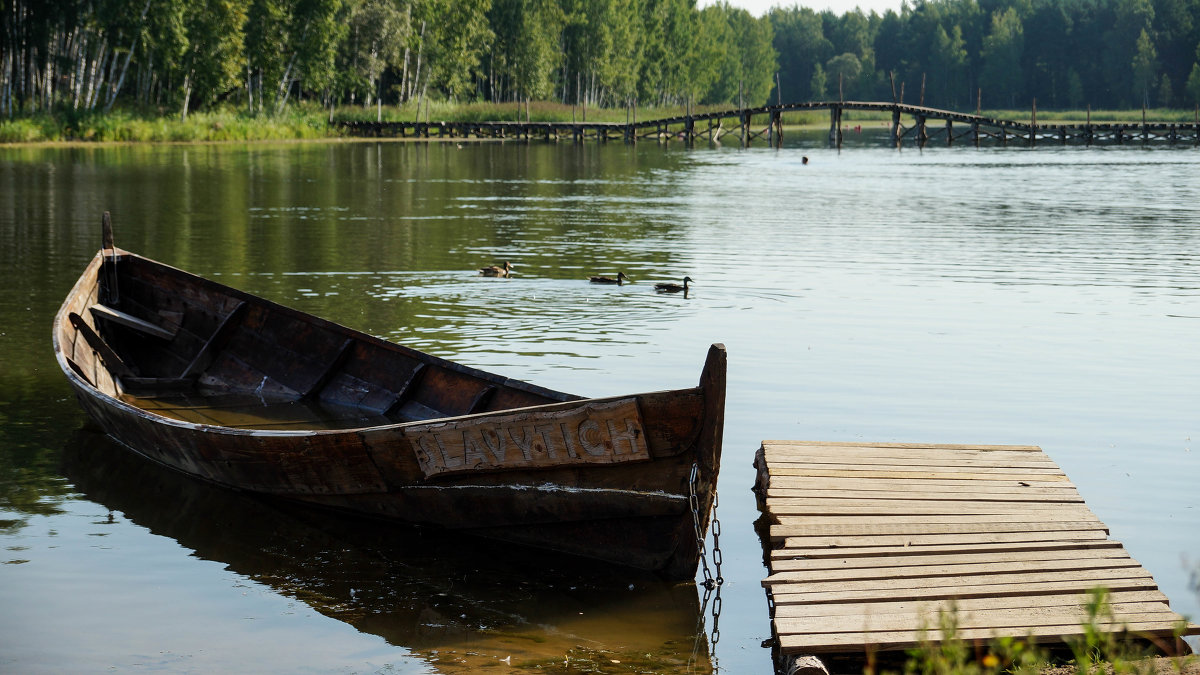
x,y
256,396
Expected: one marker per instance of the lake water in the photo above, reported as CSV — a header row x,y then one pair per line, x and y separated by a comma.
x,y
1048,297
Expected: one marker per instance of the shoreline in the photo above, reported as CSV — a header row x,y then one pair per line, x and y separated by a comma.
x,y
312,125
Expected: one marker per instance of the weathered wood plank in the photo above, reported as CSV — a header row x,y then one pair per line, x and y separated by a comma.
x,y
832,541
990,618
897,465
916,457
778,454
608,432
950,447
1052,496
963,571
921,529
804,514
1016,577
886,607
834,642
888,562
791,595
968,547
793,506
130,321
1015,477
865,484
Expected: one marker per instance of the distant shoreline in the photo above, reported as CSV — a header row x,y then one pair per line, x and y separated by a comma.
x,y
308,124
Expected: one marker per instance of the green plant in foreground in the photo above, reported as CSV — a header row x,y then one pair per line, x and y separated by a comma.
x,y
952,655
1104,647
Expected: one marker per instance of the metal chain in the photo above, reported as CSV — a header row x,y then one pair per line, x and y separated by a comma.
x,y
694,502
717,556
710,582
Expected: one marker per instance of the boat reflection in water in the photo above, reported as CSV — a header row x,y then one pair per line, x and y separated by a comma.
x,y
455,602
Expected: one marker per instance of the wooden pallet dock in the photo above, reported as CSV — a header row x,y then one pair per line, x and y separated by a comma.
x,y
868,542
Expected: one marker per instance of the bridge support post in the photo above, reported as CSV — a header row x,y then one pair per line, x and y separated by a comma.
x,y
922,132
949,132
975,132
896,127
835,126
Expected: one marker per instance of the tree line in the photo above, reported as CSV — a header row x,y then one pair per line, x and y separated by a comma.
x,y
259,55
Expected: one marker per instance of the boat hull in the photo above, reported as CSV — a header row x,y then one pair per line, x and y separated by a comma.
x,y
604,478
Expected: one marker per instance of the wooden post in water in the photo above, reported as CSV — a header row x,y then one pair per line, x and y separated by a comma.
x,y
1145,129
1033,125
895,134
922,132
689,129
975,132
949,132
1087,130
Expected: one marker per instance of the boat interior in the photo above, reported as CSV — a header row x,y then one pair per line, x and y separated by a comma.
x,y
192,349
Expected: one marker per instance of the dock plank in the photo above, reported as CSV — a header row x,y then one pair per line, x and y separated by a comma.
x,y
868,542
960,548
891,562
967,604
790,595
1053,496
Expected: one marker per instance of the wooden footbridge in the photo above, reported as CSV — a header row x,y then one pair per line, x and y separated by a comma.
x,y
868,543
765,125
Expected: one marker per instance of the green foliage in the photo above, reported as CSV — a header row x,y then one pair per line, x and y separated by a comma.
x,y
951,655
1193,85
1145,65
28,130
300,122
1002,50
817,85
1103,648
261,55
843,72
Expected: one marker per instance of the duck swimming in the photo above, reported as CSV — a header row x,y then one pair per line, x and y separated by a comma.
x,y
610,280
496,271
669,287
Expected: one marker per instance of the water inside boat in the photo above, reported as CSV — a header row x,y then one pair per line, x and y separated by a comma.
x,y
247,411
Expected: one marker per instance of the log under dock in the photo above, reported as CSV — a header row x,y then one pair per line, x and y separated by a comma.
x,y
867,542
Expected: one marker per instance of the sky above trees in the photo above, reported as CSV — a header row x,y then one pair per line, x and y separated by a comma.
x,y
761,7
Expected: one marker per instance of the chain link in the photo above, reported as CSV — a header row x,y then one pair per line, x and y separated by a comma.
x,y
694,503
710,582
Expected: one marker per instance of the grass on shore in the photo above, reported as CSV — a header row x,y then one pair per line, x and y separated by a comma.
x,y
1098,651
309,121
